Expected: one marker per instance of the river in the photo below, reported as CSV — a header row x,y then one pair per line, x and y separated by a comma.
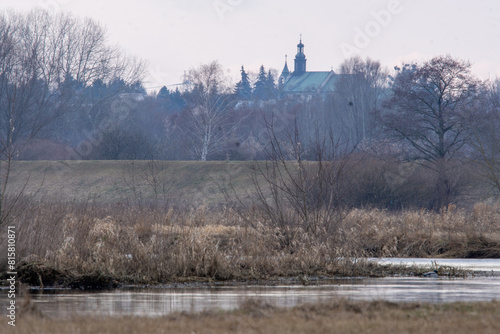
x,y
158,301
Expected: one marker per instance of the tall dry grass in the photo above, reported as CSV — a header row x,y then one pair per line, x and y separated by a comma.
x,y
151,245
452,232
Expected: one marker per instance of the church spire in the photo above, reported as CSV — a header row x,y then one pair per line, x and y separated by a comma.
x,y
284,74
300,58
285,71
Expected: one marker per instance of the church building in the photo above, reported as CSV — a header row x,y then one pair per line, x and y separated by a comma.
x,y
302,82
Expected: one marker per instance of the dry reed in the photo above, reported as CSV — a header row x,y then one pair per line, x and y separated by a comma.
x,y
147,245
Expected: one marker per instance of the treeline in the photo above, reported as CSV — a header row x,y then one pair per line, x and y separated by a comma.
x,y
416,131
113,118
58,81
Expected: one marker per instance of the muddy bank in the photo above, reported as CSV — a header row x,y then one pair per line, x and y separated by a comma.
x,y
44,276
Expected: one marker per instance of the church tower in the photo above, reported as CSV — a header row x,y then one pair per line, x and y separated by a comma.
x,y
303,83
300,59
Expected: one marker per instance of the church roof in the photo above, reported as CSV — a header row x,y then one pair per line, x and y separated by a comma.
x,y
310,82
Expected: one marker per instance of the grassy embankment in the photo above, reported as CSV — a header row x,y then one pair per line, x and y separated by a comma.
x,y
338,316
191,183
86,244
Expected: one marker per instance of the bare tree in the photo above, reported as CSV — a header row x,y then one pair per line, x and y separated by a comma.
x,y
297,189
359,91
207,114
484,125
45,63
426,110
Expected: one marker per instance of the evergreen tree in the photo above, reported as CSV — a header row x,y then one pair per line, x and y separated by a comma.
x,y
98,90
137,88
163,98
272,90
260,90
243,90
163,93
117,85
177,100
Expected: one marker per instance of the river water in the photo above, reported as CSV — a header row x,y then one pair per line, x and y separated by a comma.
x,y
482,266
160,301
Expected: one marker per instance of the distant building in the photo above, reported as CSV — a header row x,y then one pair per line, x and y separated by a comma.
x,y
301,82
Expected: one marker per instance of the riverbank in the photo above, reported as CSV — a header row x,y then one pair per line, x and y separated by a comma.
x,y
254,316
93,245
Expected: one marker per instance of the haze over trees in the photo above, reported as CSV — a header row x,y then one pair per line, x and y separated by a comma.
x,y
55,65
56,74
205,122
66,93
360,89
427,109
484,130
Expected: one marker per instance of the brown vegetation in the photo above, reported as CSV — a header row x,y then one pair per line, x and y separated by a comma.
x,y
90,246
337,316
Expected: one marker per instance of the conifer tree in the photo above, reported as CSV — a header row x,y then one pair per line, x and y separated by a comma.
x,y
163,97
272,90
243,90
163,93
260,90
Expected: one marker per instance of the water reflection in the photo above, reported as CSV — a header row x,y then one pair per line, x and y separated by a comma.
x,y
160,301
488,266
157,302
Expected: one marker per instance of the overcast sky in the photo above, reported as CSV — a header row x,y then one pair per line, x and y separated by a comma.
x,y
176,35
